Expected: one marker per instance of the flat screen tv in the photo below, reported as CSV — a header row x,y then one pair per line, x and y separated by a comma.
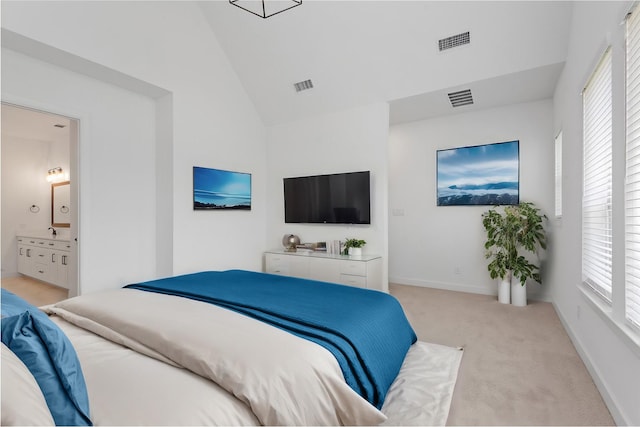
x,y
219,189
342,198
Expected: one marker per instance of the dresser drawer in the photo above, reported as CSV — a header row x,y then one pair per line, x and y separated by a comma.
x,y
276,264
42,271
356,268
364,272
40,255
348,279
60,246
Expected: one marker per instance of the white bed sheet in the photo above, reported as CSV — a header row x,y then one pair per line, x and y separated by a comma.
x,y
129,388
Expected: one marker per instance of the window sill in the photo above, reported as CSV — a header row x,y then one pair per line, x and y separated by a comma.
x,y
628,335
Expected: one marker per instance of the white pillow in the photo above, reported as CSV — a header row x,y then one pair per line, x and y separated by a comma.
x,y
22,400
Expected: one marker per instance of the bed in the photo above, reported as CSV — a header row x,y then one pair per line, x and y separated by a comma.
x,y
225,348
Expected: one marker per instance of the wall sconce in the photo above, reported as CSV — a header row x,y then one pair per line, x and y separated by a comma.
x,y
55,174
265,8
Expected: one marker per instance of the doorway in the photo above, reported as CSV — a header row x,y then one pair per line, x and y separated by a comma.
x,y
39,158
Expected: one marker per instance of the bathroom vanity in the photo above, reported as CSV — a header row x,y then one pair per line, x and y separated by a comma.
x,y
45,258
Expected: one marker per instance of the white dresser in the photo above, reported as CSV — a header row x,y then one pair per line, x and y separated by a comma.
x,y
363,271
45,259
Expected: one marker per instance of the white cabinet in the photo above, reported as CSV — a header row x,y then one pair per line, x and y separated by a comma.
x,y
287,266
44,259
364,271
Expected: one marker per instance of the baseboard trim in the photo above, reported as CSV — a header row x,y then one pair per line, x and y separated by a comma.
x,y
619,417
458,287
441,285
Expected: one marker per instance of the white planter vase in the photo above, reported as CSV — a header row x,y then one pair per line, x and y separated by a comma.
x,y
355,251
504,289
518,293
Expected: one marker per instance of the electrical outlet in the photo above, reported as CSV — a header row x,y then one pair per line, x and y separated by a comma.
x,y
457,270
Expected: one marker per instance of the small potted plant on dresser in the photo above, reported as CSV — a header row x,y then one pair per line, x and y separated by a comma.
x,y
353,247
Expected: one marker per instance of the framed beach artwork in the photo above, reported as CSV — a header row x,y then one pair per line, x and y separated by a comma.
x,y
215,189
479,175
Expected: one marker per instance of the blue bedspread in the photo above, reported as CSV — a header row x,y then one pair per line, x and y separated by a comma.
x,y
50,357
366,330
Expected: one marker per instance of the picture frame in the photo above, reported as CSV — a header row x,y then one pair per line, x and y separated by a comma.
x,y
218,189
487,174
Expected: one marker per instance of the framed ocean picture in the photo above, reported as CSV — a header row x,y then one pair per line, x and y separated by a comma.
x,y
220,189
479,175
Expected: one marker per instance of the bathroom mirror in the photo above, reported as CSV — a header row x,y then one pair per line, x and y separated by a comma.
x,y
60,200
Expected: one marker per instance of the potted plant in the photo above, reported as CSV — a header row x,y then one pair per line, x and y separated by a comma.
x,y
514,230
353,247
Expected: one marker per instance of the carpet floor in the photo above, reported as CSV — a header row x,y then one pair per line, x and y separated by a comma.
x,y
519,365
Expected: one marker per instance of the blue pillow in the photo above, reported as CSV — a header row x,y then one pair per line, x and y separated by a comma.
x,y
11,304
50,357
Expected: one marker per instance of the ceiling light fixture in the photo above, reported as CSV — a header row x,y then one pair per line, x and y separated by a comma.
x,y
265,8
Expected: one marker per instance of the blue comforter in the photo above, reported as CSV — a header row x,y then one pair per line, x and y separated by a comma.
x,y
50,357
365,330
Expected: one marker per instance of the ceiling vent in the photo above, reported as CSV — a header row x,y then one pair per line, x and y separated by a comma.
x,y
454,41
58,125
460,98
305,85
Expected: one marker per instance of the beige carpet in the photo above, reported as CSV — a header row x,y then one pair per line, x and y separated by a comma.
x,y
519,365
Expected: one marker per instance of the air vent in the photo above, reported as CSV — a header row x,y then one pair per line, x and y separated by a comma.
x,y
460,98
454,41
300,86
58,125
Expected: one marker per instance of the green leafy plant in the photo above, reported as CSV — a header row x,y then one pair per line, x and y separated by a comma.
x,y
353,243
509,232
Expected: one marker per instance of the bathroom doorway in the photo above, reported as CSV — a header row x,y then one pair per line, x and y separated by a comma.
x,y
39,200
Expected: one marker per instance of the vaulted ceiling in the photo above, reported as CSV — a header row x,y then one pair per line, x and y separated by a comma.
x,y
362,52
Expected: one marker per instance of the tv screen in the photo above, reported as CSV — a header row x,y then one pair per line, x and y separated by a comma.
x,y
342,198
220,189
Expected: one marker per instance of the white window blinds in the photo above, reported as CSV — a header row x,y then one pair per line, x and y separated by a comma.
x,y
558,175
632,181
597,180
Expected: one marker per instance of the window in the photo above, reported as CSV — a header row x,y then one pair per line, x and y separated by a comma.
x,y
558,174
597,181
632,176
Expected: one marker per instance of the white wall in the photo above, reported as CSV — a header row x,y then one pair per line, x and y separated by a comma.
x,y
344,141
443,247
24,167
116,171
213,124
614,361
